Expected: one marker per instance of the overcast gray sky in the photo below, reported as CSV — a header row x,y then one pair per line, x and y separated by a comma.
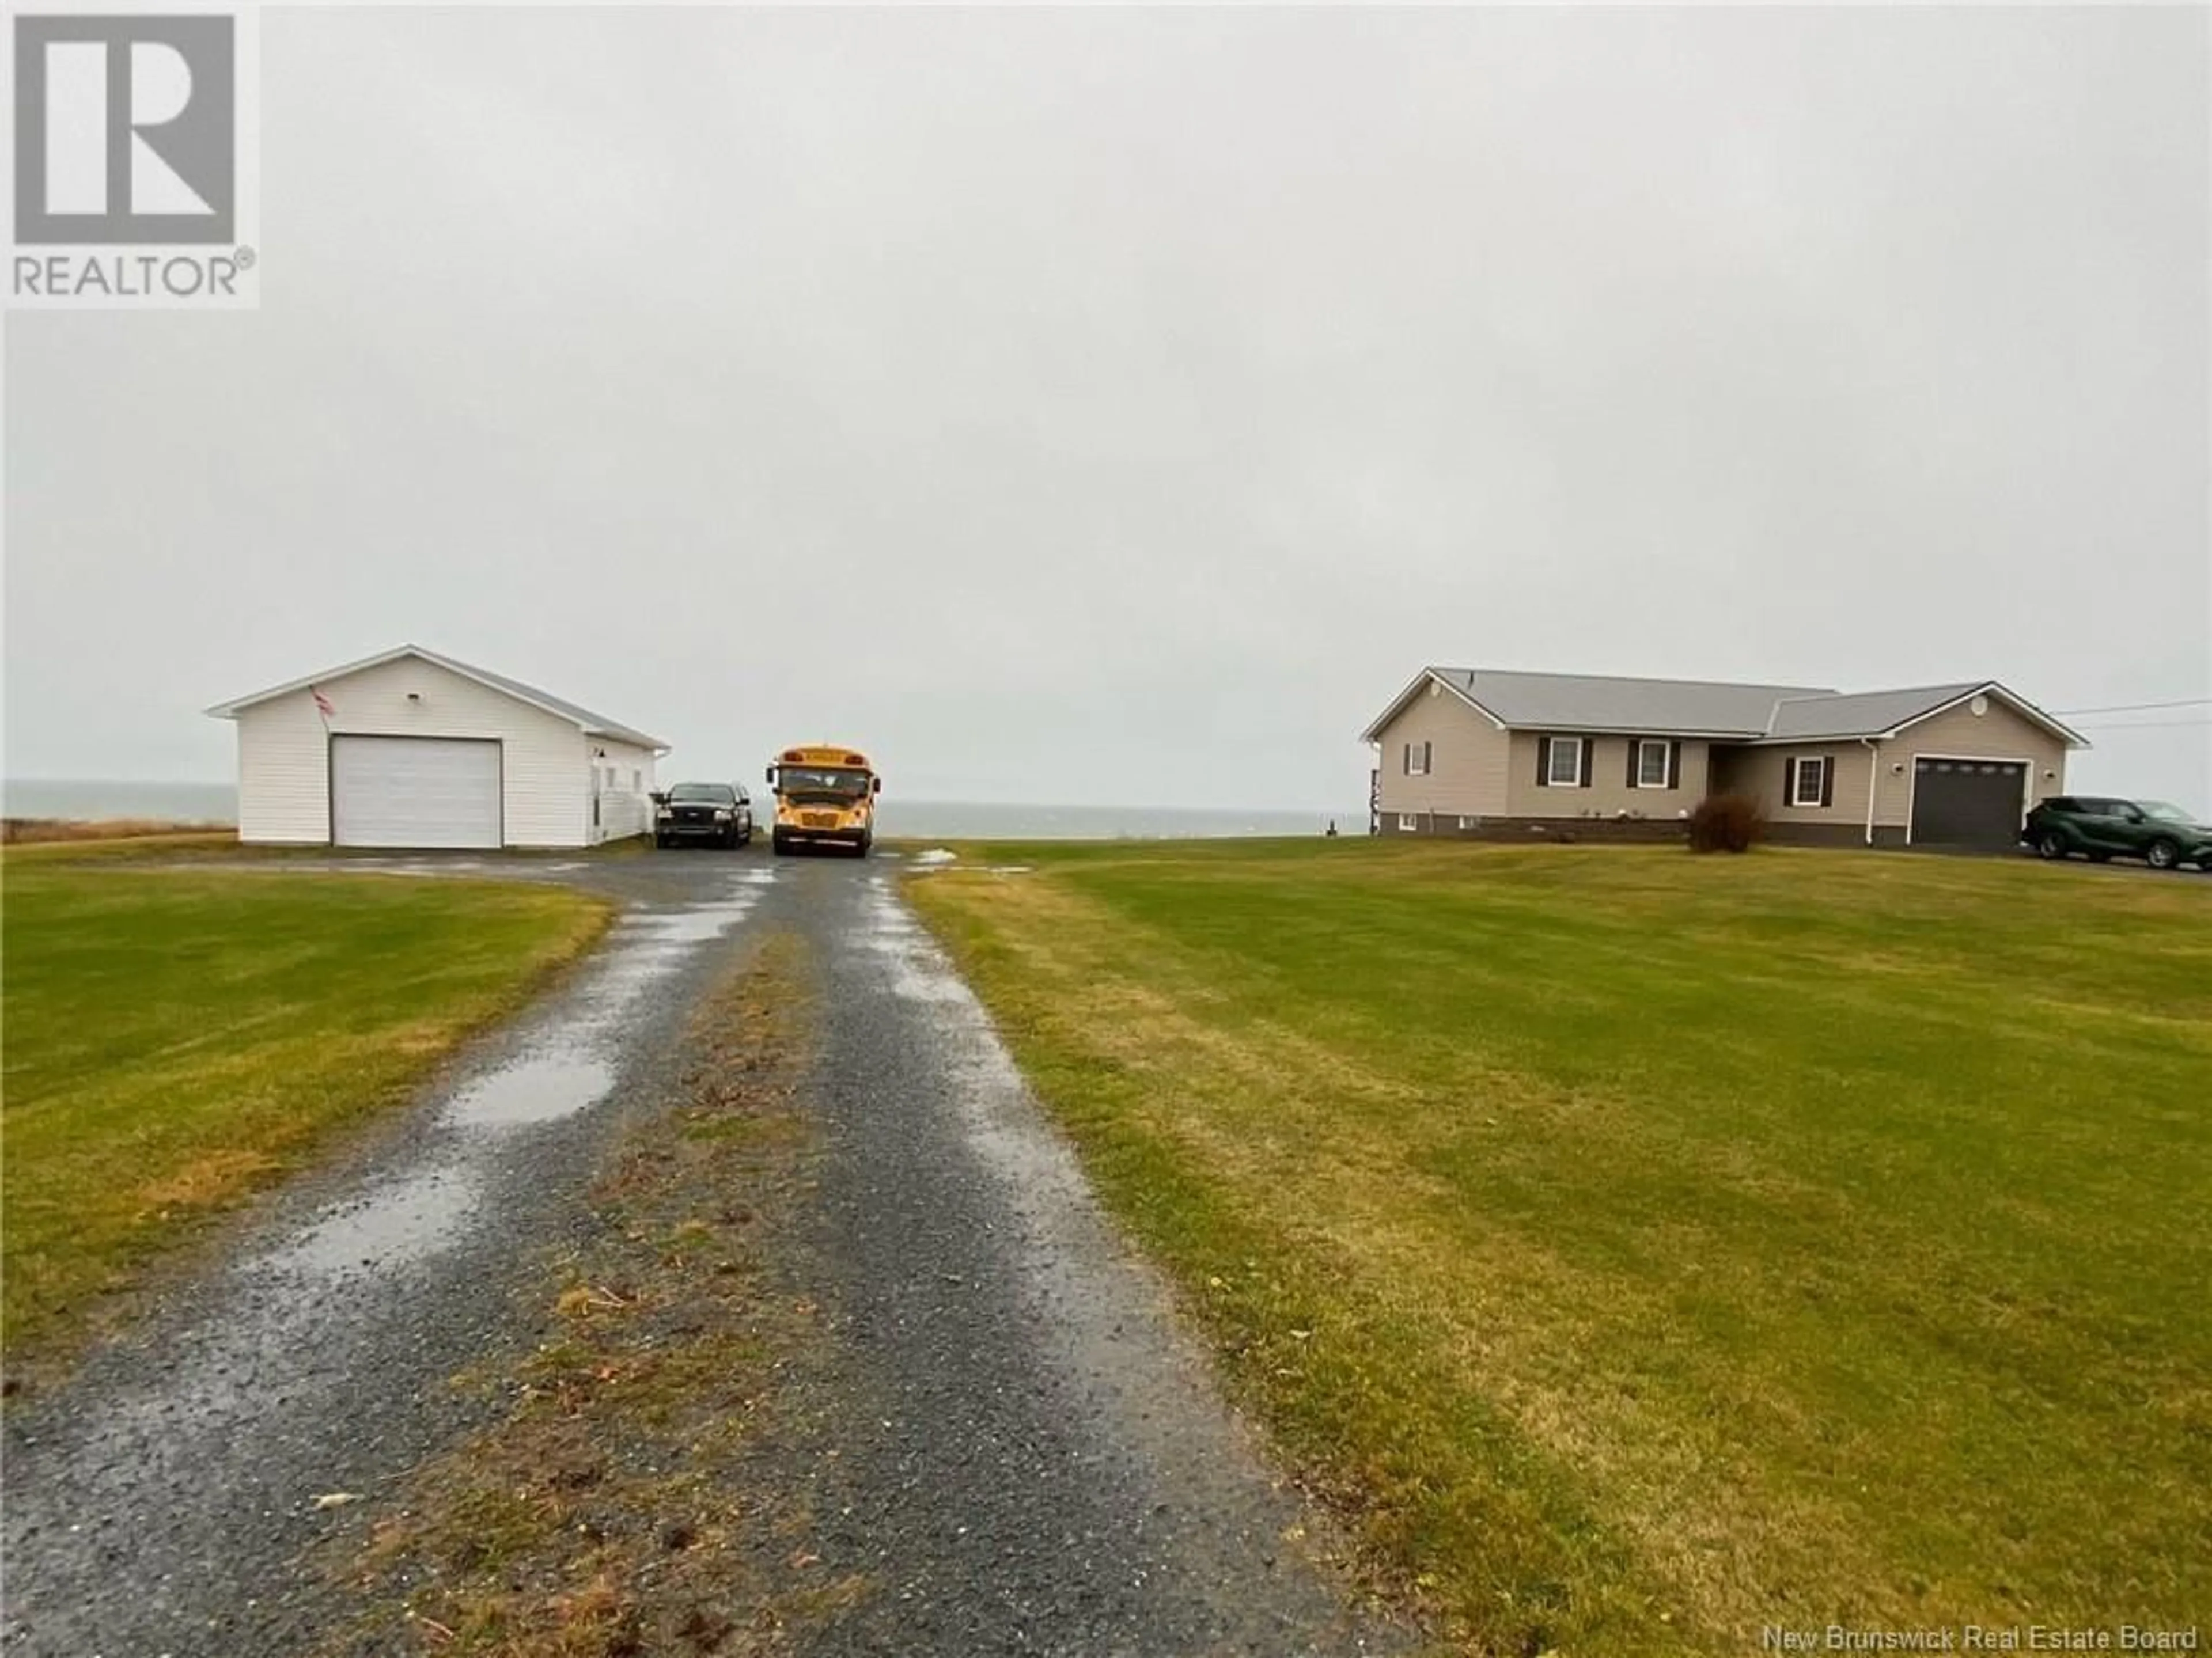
x,y
1116,405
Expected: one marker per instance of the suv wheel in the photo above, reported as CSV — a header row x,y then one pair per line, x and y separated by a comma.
x,y
2162,853
2051,844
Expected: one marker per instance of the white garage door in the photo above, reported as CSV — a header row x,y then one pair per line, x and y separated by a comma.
x,y
414,791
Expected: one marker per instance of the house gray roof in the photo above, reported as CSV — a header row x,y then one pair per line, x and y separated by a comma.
x,y
593,725
1563,701
1700,708
1862,713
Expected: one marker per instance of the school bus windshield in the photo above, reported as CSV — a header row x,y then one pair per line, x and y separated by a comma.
x,y
821,782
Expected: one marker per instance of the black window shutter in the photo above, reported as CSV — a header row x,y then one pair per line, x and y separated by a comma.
x,y
1406,761
1543,762
1635,759
1673,765
1789,781
1428,757
1589,760
1827,779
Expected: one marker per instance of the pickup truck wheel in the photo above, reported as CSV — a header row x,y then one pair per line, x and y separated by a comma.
x,y
2053,844
745,839
780,842
2162,853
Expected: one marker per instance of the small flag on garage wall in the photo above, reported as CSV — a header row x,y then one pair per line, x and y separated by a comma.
x,y
322,703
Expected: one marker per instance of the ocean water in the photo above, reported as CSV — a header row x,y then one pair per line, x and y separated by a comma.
x,y
952,820
941,820
96,798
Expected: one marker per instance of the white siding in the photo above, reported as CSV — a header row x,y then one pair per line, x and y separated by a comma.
x,y
624,806
283,773
283,756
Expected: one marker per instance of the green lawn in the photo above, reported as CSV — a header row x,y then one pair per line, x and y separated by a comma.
x,y
174,1040
1650,1249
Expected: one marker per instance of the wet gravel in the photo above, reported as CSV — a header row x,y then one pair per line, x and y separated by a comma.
x,y
1038,1460
1014,1441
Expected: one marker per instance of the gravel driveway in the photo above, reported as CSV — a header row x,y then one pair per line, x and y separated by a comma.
x,y
1029,1455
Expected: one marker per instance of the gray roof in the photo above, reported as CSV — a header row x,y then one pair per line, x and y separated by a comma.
x,y
1566,701
593,725
1862,713
1702,708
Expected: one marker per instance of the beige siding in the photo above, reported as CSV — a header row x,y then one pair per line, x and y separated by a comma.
x,y
1999,734
1759,772
1608,794
283,765
1959,734
1467,759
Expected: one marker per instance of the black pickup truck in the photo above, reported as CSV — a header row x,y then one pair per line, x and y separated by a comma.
x,y
720,814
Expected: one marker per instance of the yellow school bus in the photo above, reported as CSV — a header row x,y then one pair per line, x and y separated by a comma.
x,y
824,796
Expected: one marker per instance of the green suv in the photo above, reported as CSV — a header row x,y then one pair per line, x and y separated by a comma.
x,y
2162,835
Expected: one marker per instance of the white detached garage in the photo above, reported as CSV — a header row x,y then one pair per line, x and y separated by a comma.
x,y
416,750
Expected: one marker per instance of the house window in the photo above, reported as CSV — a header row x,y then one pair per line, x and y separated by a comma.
x,y
636,780
1810,786
1408,822
1566,767
1467,822
1652,764
1417,755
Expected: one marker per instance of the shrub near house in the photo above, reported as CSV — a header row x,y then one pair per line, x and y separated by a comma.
x,y
1726,822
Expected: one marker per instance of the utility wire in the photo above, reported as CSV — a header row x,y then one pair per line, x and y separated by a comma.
x,y
2138,708
2144,725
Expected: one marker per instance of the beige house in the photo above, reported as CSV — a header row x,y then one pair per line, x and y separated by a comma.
x,y
1482,752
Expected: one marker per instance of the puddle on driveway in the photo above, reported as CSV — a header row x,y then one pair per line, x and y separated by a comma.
x,y
572,1069
406,1220
543,1088
566,1060
690,927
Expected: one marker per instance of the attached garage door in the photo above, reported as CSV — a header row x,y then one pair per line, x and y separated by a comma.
x,y
1967,802
414,791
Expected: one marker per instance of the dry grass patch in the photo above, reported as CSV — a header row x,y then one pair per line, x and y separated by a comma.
x,y
27,831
